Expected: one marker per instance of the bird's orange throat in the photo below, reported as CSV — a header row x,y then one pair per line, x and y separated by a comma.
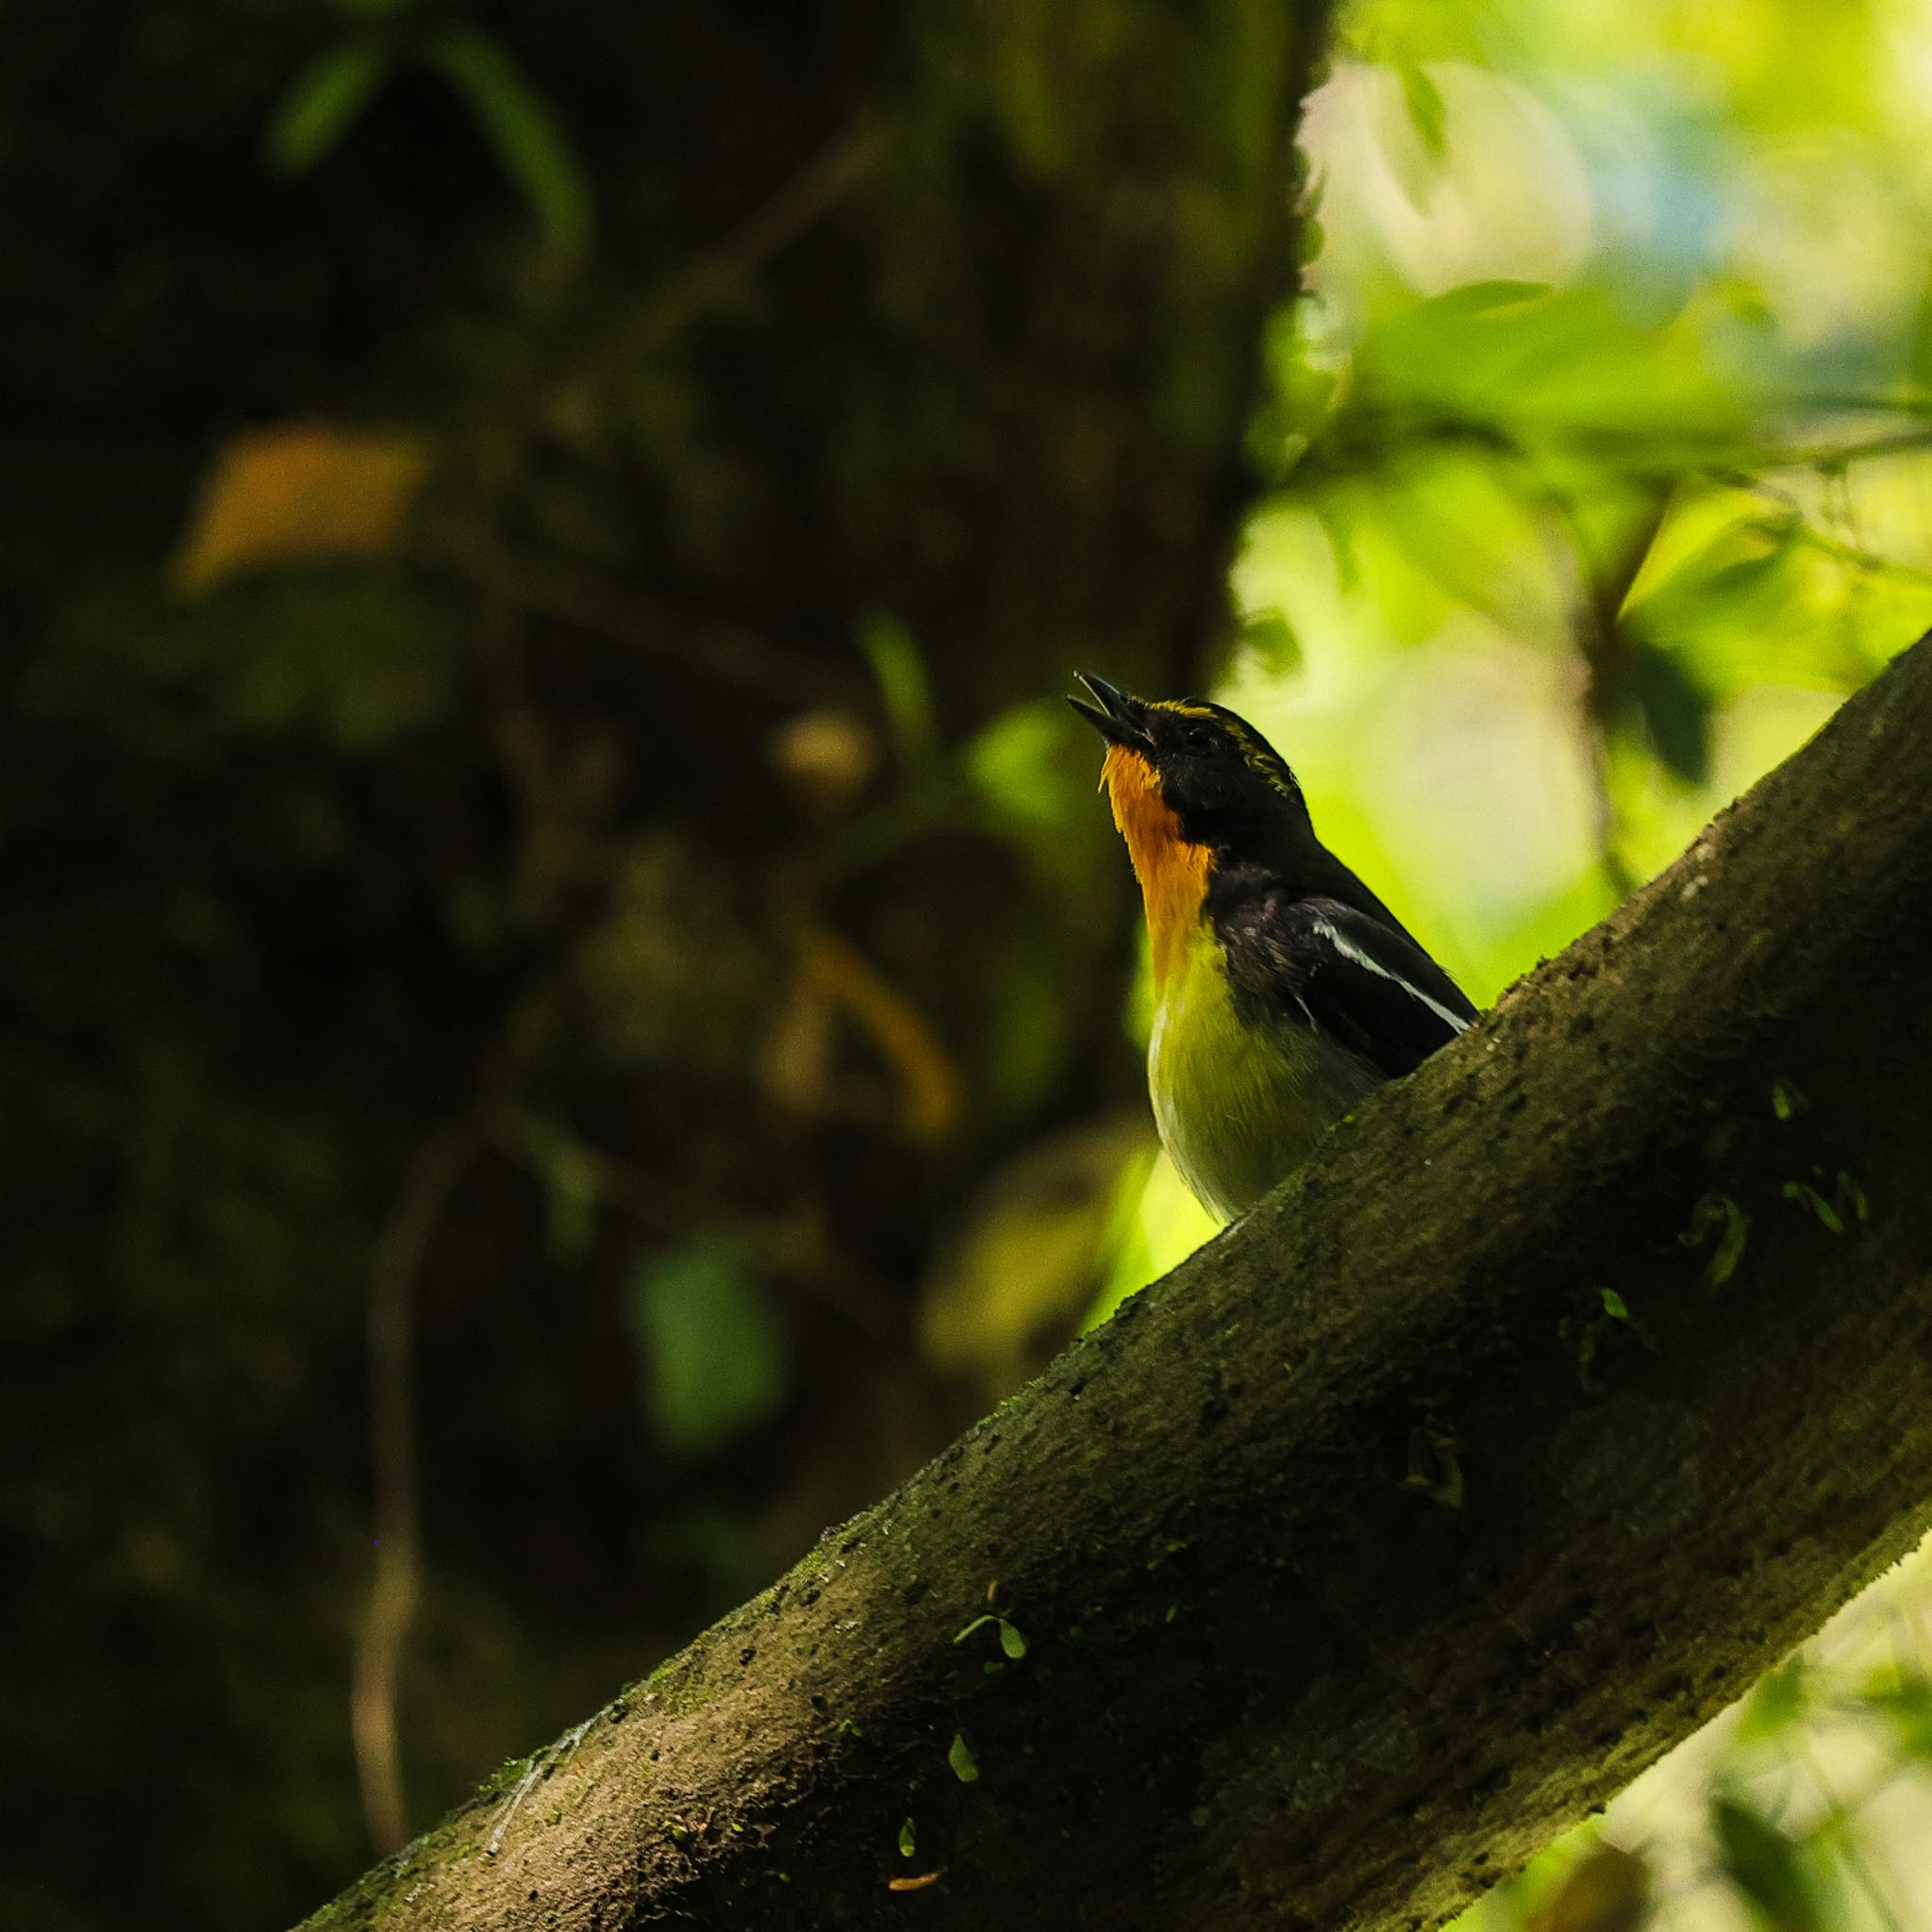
x,y
1173,870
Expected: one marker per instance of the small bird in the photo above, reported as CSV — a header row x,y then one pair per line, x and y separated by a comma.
x,y
1285,989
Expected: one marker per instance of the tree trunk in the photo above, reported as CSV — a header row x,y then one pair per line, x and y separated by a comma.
x,y
1575,1380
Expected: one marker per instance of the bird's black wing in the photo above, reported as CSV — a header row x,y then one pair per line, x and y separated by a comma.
x,y
1368,987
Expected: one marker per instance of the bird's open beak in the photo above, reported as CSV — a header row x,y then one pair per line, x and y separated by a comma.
x,y
1118,718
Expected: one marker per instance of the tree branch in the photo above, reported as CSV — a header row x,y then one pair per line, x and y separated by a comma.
x,y
1373,1546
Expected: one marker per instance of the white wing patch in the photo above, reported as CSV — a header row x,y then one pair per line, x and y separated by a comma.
x,y
1349,949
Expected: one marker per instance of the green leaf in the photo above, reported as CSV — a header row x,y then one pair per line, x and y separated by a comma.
x,y
1733,1226
1614,1305
909,1843
1779,1702
322,104
904,688
1548,367
1905,1709
571,1173
1767,1867
1801,1194
715,1362
1919,345
530,144
1011,1641
959,1755
1656,693
1272,639
1849,1198
1016,763
1426,112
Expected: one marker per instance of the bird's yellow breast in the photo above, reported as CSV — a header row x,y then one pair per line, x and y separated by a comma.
x,y
1239,1101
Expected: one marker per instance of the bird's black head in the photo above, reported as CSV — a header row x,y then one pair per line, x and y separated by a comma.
x,y
1223,782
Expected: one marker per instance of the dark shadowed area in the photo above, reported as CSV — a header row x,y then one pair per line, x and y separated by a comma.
x,y
569,1014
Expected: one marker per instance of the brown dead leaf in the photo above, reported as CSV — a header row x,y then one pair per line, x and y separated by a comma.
x,y
827,757
931,1092
1608,1890
300,492
918,1883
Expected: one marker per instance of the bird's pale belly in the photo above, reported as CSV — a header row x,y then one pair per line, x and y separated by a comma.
x,y
1239,1107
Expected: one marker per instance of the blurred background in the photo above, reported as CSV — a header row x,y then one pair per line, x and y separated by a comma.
x,y
571,1013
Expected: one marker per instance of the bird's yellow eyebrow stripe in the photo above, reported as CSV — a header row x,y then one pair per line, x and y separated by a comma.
x,y
1255,755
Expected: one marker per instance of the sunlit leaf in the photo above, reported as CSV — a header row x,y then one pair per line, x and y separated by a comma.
x,y
1017,762
714,1353
1739,580
300,493
530,144
1779,1702
322,104
1426,112
1534,365
1905,1709
1010,1285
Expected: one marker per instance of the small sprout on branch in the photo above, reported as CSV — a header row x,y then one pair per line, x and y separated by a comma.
x,y
1580,1338
1848,1197
1433,1468
959,1755
908,1842
1804,1196
1733,1226
1786,1100
1011,1641
1614,1305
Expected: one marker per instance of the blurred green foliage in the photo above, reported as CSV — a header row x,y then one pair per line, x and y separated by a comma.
x,y
715,1351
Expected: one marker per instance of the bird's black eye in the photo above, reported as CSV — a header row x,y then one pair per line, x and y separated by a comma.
x,y
1199,737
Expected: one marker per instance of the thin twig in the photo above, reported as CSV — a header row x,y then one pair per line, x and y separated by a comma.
x,y
719,647
1600,644
551,1758
393,1271
1840,1814
802,202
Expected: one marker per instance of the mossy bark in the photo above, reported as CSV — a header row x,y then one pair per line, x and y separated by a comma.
x,y
1370,1548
